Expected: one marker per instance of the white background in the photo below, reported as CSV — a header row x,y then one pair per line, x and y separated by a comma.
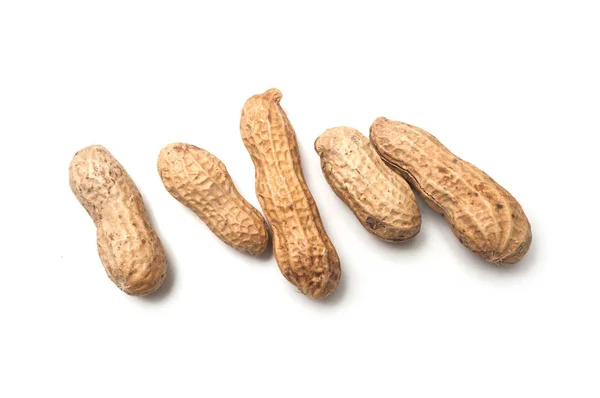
x,y
513,88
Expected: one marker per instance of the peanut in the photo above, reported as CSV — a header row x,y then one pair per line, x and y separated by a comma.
x,y
485,217
381,200
129,248
303,251
200,181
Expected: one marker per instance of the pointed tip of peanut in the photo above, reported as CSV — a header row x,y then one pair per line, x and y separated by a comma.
x,y
318,146
272,94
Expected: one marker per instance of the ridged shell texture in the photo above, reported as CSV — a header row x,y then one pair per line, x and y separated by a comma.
x,y
200,181
303,251
484,216
129,248
382,201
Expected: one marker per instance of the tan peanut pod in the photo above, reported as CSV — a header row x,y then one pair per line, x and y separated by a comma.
x,y
484,216
200,181
129,248
301,246
381,200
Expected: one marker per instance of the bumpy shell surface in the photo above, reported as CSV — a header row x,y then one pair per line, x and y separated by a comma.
x,y
381,200
484,216
129,248
200,181
301,246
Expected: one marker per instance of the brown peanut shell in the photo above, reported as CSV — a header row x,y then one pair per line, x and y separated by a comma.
x,y
484,216
303,251
382,201
200,181
129,248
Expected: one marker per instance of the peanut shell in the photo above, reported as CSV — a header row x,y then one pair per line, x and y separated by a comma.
x,y
129,248
303,251
484,216
382,201
200,181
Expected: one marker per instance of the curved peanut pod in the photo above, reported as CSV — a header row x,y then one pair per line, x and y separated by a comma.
x,y
200,181
484,216
381,200
301,246
129,248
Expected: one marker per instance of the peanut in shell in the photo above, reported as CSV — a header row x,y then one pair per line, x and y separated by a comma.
x,y
304,253
382,200
129,248
200,181
483,215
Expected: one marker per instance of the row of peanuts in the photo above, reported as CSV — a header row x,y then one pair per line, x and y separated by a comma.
x,y
373,178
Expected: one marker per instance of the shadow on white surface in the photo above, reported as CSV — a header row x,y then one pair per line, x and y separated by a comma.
x,y
520,269
412,245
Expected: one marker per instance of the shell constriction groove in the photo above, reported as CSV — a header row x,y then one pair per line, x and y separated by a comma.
x,y
483,215
303,251
200,181
129,248
382,200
